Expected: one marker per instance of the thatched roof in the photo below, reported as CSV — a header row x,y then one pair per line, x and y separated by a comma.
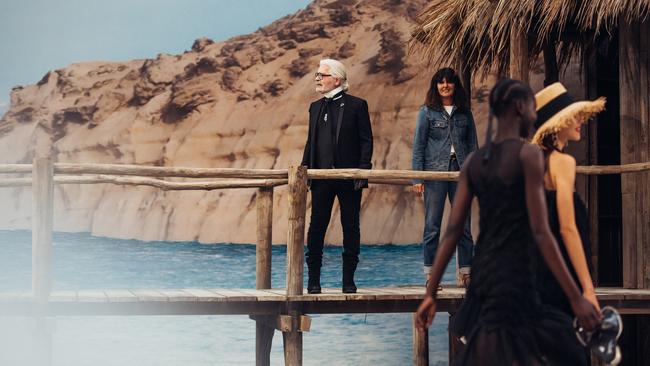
x,y
479,30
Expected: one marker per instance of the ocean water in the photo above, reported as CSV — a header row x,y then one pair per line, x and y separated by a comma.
x,y
82,261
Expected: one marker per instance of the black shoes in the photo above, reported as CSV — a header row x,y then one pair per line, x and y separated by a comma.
x,y
313,283
349,288
313,287
603,340
348,279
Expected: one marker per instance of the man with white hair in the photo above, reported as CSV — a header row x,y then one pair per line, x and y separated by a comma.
x,y
339,137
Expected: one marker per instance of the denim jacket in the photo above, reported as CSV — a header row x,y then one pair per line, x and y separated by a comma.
x,y
434,133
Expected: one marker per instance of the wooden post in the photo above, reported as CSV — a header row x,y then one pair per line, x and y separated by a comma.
x,y
264,236
551,72
295,258
518,61
42,211
263,333
420,345
634,82
591,92
296,229
455,345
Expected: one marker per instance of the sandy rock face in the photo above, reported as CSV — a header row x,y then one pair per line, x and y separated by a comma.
x,y
240,103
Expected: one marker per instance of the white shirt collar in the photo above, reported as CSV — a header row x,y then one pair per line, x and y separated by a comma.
x,y
333,92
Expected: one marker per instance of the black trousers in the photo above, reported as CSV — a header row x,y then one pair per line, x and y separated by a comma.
x,y
322,200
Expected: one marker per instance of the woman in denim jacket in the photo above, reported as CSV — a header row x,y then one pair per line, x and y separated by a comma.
x,y
444,136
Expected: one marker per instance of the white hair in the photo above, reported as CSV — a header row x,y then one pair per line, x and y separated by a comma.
x,y
337,69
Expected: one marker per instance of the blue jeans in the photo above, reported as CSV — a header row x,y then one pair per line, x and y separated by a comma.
x,y
435,194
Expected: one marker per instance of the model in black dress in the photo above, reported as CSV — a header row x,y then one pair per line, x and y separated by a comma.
x,y
559,121
505,322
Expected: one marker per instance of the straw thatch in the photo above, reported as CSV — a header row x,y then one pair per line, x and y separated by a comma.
x,y
478,31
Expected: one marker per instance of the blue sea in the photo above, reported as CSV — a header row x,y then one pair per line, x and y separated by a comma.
x,y
82,261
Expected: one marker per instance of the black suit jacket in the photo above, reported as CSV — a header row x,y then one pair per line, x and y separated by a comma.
x,y
353,141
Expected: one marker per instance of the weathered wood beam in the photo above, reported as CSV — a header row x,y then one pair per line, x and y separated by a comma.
x,y
156,171
263,251
167,185
284,323
295,258
15,168
634,85
420,345
42,211
263,259
518,55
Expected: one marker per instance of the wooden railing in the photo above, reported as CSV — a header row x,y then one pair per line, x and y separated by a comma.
x,y
45,174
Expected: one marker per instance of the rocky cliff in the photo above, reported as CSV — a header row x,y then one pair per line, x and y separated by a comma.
x,y
238,103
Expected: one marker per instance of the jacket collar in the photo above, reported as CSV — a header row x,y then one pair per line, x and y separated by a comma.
x,y
335,93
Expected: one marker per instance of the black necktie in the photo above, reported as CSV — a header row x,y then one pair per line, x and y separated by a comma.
x,y
328,110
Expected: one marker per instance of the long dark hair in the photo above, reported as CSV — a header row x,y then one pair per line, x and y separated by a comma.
x,y
433,97
548,144
502,97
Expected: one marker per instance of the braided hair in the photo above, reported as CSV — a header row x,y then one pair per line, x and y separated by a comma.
x,y
502,97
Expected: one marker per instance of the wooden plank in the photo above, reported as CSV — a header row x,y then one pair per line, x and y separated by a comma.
x,y
63,296
361,294
91,296
327,294
120,296
275,291
644,151
42,211
16,296
385,293
629,125
233,295
150,295
205,295
261,295
177,295
263,250
643,294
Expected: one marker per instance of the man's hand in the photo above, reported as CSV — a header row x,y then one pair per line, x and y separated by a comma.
x,y
418,189
426,312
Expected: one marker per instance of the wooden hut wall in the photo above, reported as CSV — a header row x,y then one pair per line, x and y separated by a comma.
x,y
634,76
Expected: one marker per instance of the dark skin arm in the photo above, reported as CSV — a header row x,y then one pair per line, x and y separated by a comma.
x,y
533,164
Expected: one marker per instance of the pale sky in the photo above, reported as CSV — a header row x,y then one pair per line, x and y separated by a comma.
x,y
37,36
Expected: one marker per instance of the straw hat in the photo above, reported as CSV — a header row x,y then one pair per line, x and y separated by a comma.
x,y
556,110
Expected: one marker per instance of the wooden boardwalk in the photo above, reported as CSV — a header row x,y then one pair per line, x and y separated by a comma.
x,y
262,302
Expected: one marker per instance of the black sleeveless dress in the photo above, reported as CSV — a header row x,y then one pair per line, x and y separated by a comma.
x,y
550,291
502,317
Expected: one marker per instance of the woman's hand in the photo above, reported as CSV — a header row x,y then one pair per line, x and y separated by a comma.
x,y
587,315
426,312
418,189
590,295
